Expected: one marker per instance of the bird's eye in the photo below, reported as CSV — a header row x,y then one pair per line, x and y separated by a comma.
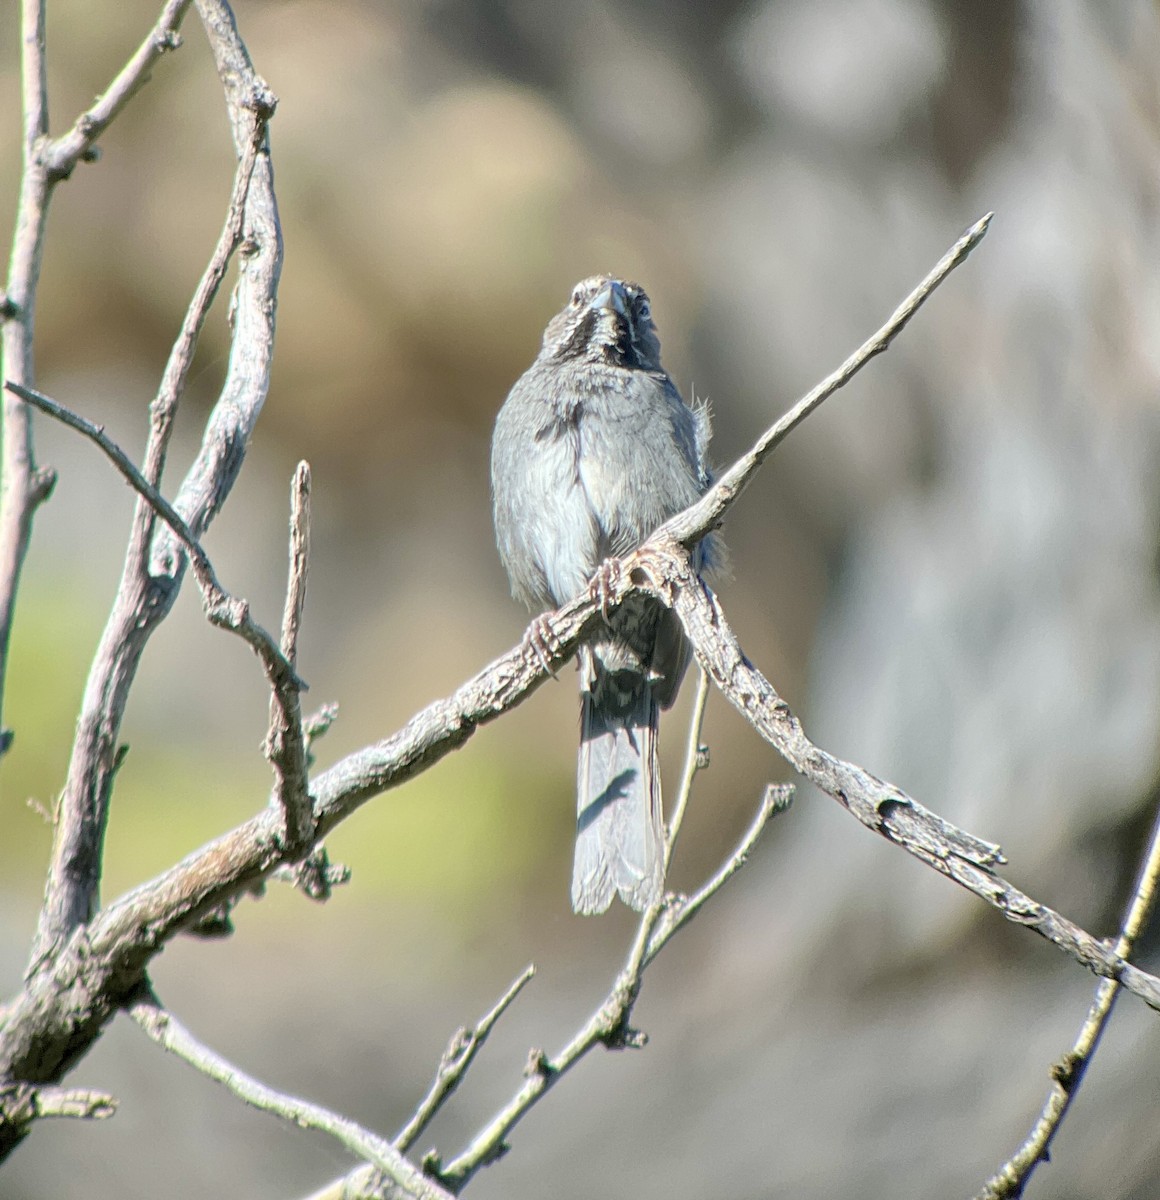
x,y
577,297
643,310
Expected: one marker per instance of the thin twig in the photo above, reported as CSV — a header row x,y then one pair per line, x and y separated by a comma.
x,y
163,409
317,725
286,747
457,1058
62,154
696,759
1067,1074
608,1026
164,1029
82,1103
23,486
221,608
299,561
775,799
689,526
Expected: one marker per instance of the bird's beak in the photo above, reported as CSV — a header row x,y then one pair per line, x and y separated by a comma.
x,y
612,298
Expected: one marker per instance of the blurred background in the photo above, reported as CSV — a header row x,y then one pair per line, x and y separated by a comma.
x,y
950,572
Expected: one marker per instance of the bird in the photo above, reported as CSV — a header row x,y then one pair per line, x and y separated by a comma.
x,y
592,450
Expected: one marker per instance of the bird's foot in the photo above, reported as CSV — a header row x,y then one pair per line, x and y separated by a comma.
x,y
607,581
541,639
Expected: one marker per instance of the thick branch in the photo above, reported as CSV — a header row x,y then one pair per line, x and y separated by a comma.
x,y
881,807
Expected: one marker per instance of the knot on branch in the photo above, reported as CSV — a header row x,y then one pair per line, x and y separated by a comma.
x,y
166,40
538,1064
625,1037
43,482
261,101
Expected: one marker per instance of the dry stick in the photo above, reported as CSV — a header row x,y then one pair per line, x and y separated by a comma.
x,y
164,1029
286,740
24,1103
696,759
880,806
24,486
1068,1073
221,608
690,525
457,1058
62,154
154,567
609,1025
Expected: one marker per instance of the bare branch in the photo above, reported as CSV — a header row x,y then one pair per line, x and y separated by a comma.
x,y
458,1056
286,741
62,154
609,1025
775,799
23,486
163,409
22,1103
1068,1073
689,526
221,608
881,807
33,75
164,1029
154,566
102,963
696,759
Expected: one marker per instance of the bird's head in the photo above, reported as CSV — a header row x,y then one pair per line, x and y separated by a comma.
x,y
606,321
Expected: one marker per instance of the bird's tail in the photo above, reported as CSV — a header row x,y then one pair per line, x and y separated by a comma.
x,y
619,824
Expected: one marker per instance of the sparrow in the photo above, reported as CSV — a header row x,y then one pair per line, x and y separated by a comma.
x,y
593,449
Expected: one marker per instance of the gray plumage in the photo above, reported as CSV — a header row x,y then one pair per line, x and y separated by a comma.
x,y
593,449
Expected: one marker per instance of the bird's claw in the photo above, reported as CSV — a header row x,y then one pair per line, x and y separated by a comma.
x,y
605,584
543,642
